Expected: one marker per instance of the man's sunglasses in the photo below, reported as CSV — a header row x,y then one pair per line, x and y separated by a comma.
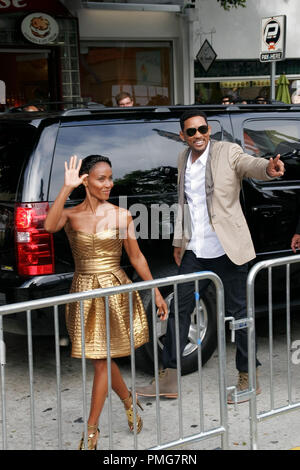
x,y
191,131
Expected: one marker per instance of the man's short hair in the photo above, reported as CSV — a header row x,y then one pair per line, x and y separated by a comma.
x,y
260,99
189,114
123,94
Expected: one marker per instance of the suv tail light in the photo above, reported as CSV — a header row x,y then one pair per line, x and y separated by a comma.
x,y
35,253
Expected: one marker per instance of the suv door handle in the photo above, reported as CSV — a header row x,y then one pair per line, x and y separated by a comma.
x,y
266,210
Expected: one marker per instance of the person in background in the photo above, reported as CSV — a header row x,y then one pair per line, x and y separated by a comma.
x,y
31,108
227,99
295,97
124,99
260,100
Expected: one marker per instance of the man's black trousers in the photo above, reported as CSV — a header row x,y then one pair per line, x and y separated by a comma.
x,y
234,279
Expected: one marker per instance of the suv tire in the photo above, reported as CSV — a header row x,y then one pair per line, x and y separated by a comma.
x,y
144,356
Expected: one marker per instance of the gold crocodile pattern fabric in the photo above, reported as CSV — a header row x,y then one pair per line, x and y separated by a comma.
x,y
97,265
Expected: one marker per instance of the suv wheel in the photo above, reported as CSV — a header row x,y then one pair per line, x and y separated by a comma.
x,y
208,332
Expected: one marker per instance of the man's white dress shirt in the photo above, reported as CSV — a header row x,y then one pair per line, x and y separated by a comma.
x,y
204,241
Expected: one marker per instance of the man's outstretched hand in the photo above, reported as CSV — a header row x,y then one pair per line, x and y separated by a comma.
x,y
295,243
275,167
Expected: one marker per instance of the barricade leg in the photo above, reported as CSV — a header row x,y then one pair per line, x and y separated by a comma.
x,y
178,361
83,365
199,351
58,376
252,360
222,360
109,380
3,396
133,376
156,372
30,364
288,332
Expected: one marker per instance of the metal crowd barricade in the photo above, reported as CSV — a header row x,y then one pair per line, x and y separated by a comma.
x,y
221,430
256,417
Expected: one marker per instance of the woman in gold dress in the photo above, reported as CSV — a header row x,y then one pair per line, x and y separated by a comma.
x,y
97,230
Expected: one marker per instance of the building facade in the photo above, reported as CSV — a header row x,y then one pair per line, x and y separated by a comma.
x,y
148,48
140,47
236,38
39,52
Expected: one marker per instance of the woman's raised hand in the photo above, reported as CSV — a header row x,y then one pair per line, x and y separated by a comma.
x,y
72,178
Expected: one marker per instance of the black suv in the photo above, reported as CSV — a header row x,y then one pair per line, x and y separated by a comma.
x,y
143,145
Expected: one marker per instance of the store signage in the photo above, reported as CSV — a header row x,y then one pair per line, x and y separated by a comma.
x,y
13,3
49,6
206,55
40,28
246,83
235,84
273,31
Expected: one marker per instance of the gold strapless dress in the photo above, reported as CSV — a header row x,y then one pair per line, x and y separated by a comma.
x,y
97,264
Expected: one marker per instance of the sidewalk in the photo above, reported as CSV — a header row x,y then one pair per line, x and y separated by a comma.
x,y
280,433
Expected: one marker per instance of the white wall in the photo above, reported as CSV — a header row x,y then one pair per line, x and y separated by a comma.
x,y
237,33
127,24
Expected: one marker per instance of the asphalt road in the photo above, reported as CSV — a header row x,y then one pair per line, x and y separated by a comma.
x,y
282,432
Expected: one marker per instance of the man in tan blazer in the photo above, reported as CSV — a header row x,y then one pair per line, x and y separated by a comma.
x,y
211,233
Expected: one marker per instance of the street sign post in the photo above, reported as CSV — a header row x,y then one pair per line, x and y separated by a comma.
x,y
272,47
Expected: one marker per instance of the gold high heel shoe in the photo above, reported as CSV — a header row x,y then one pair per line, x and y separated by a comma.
x,y
93,434
128,404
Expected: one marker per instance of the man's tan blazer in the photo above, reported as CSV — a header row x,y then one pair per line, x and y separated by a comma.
x,y
226,166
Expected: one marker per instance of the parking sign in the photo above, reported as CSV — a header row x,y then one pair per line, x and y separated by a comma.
x,y
273,31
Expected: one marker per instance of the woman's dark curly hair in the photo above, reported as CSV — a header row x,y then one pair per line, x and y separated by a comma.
x,y
90,161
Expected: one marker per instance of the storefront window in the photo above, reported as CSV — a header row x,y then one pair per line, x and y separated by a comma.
x,y
34,72
144,71
240,90
25,76
240,79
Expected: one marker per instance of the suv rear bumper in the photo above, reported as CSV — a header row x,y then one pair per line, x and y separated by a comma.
x,y
39,287
36,288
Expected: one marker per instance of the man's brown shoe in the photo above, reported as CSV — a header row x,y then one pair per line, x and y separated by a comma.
x,y
242,389
167,384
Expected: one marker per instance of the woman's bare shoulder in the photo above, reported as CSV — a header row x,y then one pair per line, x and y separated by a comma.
x,y
120,211
71,214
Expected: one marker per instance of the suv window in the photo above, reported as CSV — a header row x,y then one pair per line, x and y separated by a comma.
x,y
267,138
143,155
15,144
